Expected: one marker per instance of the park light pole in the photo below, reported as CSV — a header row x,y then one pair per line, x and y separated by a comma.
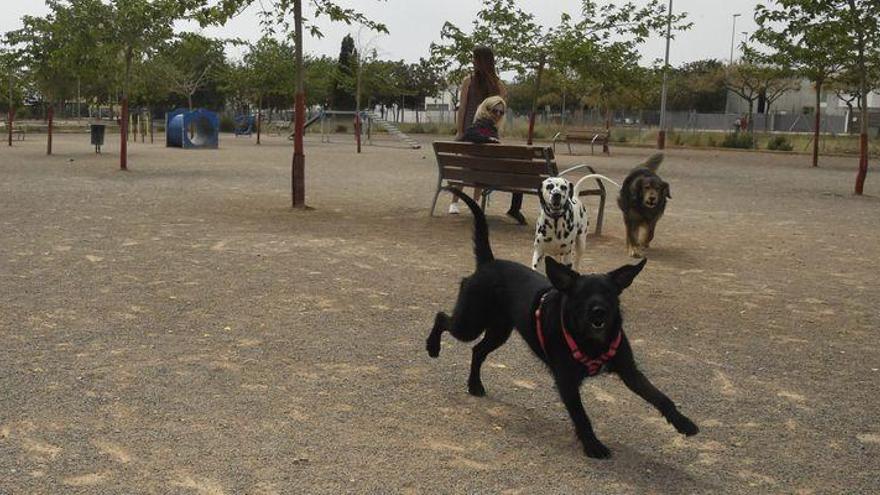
x,y
733,37
732,41
661,136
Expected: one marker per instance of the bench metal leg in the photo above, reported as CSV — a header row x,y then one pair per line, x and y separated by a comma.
x,y
436,195
569,148
601,216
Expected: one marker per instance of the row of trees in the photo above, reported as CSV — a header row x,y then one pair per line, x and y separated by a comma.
x,y
833,43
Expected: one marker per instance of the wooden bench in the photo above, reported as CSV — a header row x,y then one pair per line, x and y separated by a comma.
x,y
593,136
507,168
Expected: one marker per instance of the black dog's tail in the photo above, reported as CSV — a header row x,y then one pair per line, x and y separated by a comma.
x,y
482,250
653,162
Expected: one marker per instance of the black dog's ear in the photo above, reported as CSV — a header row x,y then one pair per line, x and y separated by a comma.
x,y
561,276
666,190
624,276
570,190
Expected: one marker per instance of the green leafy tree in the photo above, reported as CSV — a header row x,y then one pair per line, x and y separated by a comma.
x,y
270,74
860,19
698,86
57,51
803,35
288,16
522,45
190,64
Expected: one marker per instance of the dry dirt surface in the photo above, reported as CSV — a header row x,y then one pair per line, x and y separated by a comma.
x,y
178,329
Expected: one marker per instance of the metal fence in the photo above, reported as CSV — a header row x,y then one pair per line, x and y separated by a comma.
x,y
677,121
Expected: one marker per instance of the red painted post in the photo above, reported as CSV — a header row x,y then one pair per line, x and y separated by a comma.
x,y
531,127
357,130
863,163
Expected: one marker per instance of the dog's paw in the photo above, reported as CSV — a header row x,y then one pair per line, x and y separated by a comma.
x,y
685,426
476,389
433,347
596,450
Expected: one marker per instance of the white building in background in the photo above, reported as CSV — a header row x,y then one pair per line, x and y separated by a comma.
x,y
802,101
442,102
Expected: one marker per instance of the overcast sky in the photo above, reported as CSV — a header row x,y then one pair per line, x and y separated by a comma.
x,y
414,24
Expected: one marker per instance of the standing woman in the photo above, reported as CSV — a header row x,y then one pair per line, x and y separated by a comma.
x,y
481,84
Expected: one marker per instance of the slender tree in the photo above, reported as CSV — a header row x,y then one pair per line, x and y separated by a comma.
x,y
804,35
287,15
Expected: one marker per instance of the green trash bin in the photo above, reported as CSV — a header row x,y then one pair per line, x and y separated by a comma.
x,y
98,136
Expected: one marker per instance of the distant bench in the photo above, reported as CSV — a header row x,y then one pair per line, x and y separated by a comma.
x,y
592,136
500,167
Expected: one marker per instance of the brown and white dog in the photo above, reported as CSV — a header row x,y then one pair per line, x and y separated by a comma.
x,y
642,200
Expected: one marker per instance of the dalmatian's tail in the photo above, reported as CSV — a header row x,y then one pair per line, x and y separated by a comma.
x,y
577,186
482,249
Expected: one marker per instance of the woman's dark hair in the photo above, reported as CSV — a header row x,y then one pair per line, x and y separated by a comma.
x,y
484,71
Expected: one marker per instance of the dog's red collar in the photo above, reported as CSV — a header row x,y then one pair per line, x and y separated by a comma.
x,y
593,365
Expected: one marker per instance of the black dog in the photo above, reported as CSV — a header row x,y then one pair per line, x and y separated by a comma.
x,y
572,322
643,200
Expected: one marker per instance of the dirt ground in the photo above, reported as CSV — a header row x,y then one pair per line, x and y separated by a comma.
x,y
179,329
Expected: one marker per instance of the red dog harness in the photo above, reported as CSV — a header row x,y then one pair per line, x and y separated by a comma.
x,y
593,365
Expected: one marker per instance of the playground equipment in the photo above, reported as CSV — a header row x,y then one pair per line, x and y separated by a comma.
x,y
319,117
244,125
367,121
393,130
192,129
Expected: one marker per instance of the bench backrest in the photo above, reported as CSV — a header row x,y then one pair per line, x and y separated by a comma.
x,y
495,165
588,133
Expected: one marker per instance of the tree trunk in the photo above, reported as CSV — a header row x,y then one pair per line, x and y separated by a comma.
x,y
357,106
123,119
816,123
50,117
11,122
297,173
123,132
863,88
538,75
259,117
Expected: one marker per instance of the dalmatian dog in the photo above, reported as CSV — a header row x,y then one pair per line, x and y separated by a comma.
x,y
562,225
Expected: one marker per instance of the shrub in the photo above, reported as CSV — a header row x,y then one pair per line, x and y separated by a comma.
x,y
227,123
711,142
620,138
779,143
341,128
739,140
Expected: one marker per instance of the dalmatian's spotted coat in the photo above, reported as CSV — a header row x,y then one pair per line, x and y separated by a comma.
x,y
563,223
561,228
